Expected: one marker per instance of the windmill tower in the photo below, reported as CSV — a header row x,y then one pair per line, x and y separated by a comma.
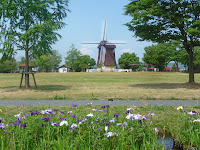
x,y
106,54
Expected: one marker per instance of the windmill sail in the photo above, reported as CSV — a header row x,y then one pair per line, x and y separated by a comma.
x,y
106,55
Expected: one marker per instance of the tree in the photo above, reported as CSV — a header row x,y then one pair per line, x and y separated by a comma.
x,y
166,20
72,55
197,59
127,59
49,61
158,55
8,65
83,62
55,60
31,25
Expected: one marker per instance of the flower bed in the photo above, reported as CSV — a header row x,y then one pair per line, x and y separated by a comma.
x,y
102,128
98,127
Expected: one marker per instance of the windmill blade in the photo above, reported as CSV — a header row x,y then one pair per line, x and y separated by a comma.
x,y
91,43
114,43
104,31
103,54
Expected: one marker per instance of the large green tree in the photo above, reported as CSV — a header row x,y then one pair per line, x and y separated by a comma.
x,y
30,25
158,55
166,20
84,62
8,65
49,61
127,59
72,56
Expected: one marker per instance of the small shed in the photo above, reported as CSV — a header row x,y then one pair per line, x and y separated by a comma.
x,y
22,67
63,69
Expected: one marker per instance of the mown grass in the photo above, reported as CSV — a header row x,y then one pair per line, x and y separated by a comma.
x,y
167,119
101,86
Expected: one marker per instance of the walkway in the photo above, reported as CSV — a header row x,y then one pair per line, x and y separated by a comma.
x,y
100,102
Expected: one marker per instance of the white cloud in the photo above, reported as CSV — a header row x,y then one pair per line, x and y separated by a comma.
x,y
127,50
117,41
86,51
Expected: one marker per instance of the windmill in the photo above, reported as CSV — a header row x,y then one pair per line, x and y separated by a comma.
x,y
106,55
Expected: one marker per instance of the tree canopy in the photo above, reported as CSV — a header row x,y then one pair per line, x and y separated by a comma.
x,y
30,25
166,20
158,55
72,54
77,61
127,59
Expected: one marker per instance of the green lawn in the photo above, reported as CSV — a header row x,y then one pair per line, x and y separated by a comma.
x,y
101,86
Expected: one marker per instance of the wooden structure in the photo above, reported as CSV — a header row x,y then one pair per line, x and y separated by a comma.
x,y
108,56
25,74
22,72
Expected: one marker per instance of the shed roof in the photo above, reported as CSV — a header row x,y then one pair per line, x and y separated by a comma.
x,y
134,65
151,68
23,65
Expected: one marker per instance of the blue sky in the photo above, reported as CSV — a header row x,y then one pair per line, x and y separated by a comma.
x,y
85,23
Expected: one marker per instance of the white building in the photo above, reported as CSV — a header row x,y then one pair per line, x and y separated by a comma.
x,y
62,69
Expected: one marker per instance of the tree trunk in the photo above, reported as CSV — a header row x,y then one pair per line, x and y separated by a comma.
x,y
27,85
191,67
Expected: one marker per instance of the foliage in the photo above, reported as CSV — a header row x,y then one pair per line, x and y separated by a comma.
x,y
164,20
157,55
72,55
8,66
31,25
197,59
48,61
77,61
83,62
127,59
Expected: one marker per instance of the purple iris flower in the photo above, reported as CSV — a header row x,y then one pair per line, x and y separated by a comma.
x,y
57,124
119,124
19,118
16,123
107,123
105,109
144,117
7,131
62,112
42,125
100,129
28,115
125,123
103,106
23,125
35,113
73,116
116,115
151,114
194,113
110,99
2,125
56,109
62,119
74,105
107,106
126,112
46,119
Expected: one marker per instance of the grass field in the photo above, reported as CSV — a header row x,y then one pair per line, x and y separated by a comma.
x,y
101,86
